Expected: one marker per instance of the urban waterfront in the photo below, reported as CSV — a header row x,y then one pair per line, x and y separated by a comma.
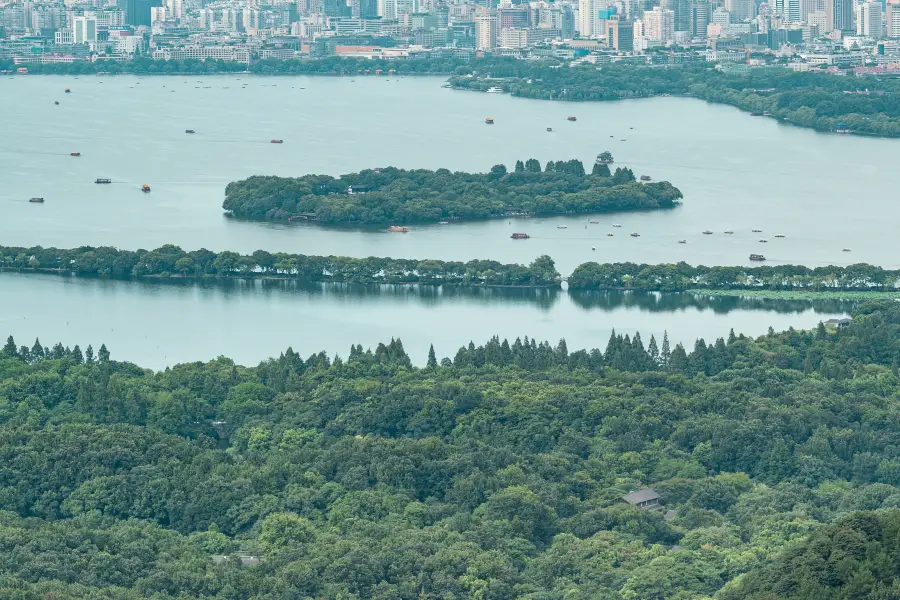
x,y
736,172
139,321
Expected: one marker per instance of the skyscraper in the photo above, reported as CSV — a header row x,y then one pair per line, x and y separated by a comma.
x,y
869,20
740,10
892,18
681,11
84,30
137,12
699,14
839,15
659,24
486,30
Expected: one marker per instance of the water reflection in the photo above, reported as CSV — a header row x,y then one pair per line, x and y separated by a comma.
x,y
674,301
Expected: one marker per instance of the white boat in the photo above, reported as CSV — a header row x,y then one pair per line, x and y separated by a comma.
x,y
562,227
729,232
495,90
779,235
616,225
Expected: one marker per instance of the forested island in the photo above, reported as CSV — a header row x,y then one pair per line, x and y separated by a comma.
x,y
501,473
818,100
172,262
391,195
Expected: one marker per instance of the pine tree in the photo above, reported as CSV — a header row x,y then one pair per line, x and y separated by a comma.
x,y
520,166
432,359
653,351
89,355
679,360
665,355
103,354
562,351
601,170
76,354
37,351
731,337
821,333
9,350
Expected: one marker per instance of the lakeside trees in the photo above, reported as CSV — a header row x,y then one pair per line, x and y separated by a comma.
x,y
497,474
391,195
172,261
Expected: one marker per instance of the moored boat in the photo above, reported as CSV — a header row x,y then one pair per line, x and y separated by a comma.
x,y
398,229
495,90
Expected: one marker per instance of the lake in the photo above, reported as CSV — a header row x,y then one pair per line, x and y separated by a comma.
x,y
158,324
824,192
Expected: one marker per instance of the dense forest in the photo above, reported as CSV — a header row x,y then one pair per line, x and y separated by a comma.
x,y
171,261
818,100
496,474
391,195
682,276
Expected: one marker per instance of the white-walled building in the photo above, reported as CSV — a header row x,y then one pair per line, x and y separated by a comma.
x,y
486,30
84,30
659,24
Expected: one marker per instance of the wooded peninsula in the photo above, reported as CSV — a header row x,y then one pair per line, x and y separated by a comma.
x,y
737,469
391,195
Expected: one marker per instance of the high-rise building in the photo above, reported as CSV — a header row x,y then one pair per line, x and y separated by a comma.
x,y
137,12
620,35
637,35
659,24
486,30
84,30
839,15
819,20
387,9
588,24
721,16
157,14
741,10
699,18
892,18
510,18
681,11
869,21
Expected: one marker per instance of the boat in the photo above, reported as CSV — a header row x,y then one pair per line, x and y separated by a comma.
x,y
446,85
757,231
763,241
645,178
495,90
443,222
102,180
707,232
36,200
520,236
572,118
489,121
549,129
682,241
622,140
609,235
616,225
74,153
593,248
398,229
756,113
757,257
68,91
594,222
562,227
779,235
145,188
189,131
56,102
845,250
277,141
729,232
601,160
635,235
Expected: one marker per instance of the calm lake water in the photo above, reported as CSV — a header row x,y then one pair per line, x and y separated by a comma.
x,y
824,192
159,324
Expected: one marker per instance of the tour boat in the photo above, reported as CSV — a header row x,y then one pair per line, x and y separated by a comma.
x,y
763,241
707,232
757,231
74,153
495,90
398,229
36,200
519,236
616,225
635,235
562,227
645,178
779,235
845,250
277,141
757,257
603,161
68,91
102,180
572,118
682,241
189,131
729,232
145,188
489,121
549,129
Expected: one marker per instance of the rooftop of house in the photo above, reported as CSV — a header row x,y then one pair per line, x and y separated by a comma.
x,y
642,495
